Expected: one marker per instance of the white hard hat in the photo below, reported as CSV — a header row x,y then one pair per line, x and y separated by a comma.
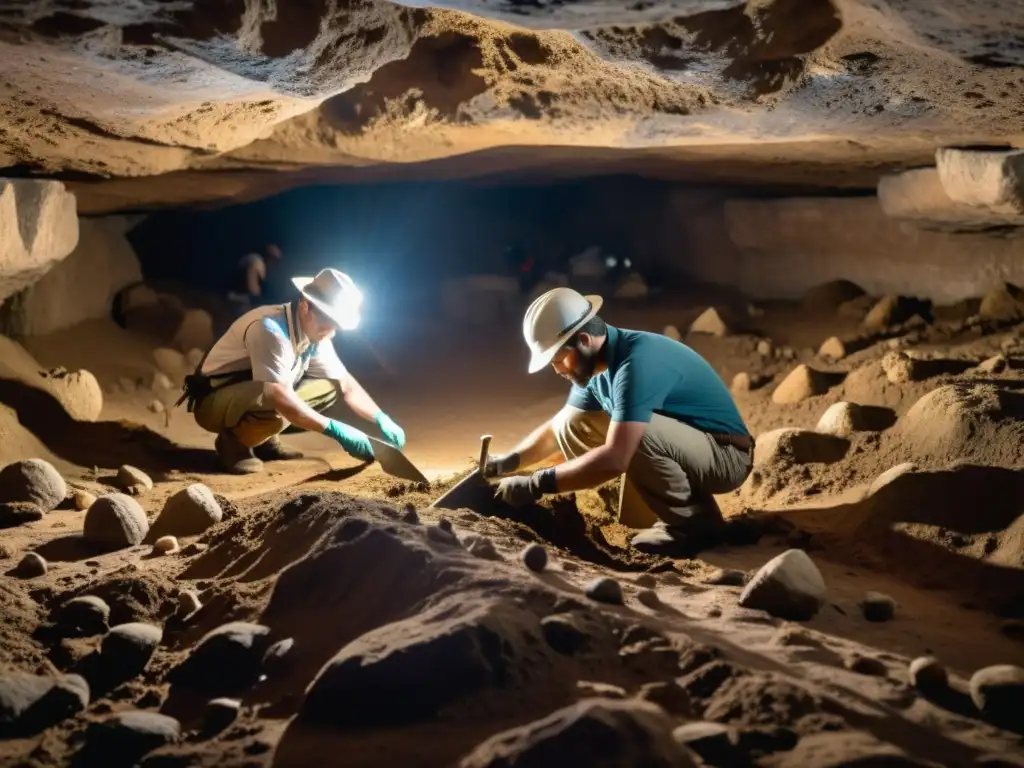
x,y
335,294
552,319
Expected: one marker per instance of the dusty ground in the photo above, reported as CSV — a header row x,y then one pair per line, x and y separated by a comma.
x,y
947,547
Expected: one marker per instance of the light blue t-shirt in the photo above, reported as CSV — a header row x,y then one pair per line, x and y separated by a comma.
x,y
649,373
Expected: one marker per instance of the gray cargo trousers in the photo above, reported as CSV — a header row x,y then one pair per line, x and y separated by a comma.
x,y
674,474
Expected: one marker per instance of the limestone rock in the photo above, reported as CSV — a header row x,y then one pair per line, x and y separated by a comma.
x,y
831,294
33,480
995,364
31,566
226,657
594,731
408,671
82,499
928,675
39,223
798,446
30,704
83,617
15,513
789,586
899,367
672,332
998,692
535,557
133,480
115,521
803,382
195,331
833,348
877,607
1005,302
165,545
188,512
710,322
79,392
894,310
127,649
843,419
171,363
565,633
993,180
605,590
126,737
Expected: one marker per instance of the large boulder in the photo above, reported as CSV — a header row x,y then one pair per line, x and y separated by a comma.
x,y
592,732
33,480
187,513
990,179
409,670
115,521
789,586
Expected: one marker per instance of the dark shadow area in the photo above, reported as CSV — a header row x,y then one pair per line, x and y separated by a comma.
x,y
67,549
105,444
338,475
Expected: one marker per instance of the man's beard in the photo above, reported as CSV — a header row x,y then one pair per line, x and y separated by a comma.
x,y
583,371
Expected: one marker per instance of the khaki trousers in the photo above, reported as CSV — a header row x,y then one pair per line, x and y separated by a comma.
x,y
673,475
241,409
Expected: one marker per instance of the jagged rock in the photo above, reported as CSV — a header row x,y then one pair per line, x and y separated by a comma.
x,y
32,565
83,617
1003,303
227,657
604,732
125,737
927,674
605,590
894,310
831,295
165,545
195,331
565,634
189,512
804,382
998,692
30,704
82,499
672,332
409,670
535,557
843,419
833,348
711,323
115,521
798,446
899,367
877,606
219,715
125,651
789,586
995,364
15,513
765,348
670,696
133,480
171,363
33,480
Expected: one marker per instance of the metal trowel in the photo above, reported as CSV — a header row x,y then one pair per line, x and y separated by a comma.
x,y
473,491
394,462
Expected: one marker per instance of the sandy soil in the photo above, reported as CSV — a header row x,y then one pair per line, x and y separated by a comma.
x,y
323,553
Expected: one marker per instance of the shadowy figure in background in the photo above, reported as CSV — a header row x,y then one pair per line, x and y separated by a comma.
x,y
248,280
524,266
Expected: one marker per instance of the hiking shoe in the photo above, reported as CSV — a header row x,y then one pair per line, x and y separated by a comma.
x,y
274,450
672,540
235,457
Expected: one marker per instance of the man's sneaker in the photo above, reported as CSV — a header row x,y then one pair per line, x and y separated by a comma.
x,y
274,450
673,540
235,457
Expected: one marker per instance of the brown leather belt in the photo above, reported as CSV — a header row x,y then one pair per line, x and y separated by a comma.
x,y
741,442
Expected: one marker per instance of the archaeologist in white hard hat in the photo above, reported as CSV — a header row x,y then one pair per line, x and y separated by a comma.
x,y
641,405
276,366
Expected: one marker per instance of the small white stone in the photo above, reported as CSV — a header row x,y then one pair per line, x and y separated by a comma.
x,y
166,545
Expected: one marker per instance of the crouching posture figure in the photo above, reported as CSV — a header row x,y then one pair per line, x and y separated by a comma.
x,y
276,366
641,405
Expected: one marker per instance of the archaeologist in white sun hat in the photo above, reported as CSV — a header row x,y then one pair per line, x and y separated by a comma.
x,y
641,405
276,366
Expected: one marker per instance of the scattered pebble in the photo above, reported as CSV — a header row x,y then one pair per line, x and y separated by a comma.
x,y
866,665
410,515
220,714
446,525
124,738
133,480
605,590
165,545
482,547
115,521
710,322
83,616
998,692
789,586
127,649
155,406
833,348
564,633
927,674
535,557
649,598
82,499
646,580
765,348
31,566
877,606
726,577
35,481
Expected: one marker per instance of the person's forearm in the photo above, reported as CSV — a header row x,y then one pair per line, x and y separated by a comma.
x,y
295,410
358,400
540,445
587,471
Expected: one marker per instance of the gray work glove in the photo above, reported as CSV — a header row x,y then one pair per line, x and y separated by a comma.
x,y
518,491
501,465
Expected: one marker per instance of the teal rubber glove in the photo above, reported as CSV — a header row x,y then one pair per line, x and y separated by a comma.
x,y
354,442
394,433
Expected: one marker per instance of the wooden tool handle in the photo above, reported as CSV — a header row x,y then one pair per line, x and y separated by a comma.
x,y
485,447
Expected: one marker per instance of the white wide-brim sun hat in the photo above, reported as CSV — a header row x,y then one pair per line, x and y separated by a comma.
x,y
552,319
335,295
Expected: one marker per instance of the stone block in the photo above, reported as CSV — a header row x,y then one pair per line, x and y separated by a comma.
x,y
984,179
